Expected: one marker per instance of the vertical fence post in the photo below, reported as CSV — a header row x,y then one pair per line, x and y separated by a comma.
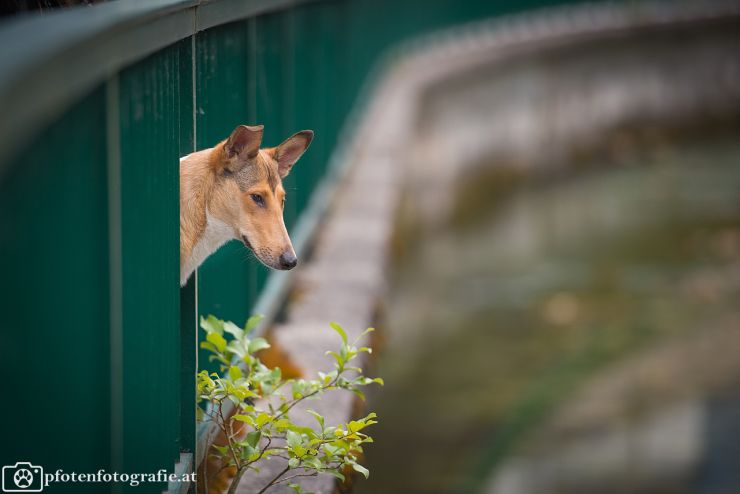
x,y
113,156
188,293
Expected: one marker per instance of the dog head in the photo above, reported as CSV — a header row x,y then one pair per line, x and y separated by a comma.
x,y
249,195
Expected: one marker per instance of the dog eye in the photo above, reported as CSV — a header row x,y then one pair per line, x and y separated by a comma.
x,y
258,199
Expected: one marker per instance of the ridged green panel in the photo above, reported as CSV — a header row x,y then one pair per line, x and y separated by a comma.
x,y
310,95
227,281
150,150
373,26
335,32
274,105
54,354
188,302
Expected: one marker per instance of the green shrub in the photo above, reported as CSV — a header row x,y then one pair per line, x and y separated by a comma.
x,y
264,402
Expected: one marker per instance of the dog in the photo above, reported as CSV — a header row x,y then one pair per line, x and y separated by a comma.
x,y
234,191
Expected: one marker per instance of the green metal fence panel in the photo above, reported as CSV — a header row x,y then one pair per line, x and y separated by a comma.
x,y
54,298
274,101
226,281
309,98
188,298
376,25
149,173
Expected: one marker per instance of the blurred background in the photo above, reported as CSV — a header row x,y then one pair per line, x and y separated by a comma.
x,y
563,312
559,306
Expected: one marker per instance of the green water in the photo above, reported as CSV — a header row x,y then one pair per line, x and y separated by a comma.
x,y
494,319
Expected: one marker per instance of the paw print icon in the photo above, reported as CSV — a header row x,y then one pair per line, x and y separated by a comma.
x,y
23,477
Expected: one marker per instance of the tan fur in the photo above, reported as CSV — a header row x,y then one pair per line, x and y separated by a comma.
x,y
196,183
214,477
217,190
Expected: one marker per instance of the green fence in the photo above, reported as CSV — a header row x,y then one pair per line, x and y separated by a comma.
x,y
97,340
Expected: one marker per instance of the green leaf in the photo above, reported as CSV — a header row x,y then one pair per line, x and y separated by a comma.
x,y
212,324
292,438
359,468
253,438
247,451
368,330
234,330
236,348
337,357
276,374
357,425
207,345
302,430
294,462
319,418
224,450
218,357
282,424
262,419
252,323
296,487
362,335
217,340
298,388
258,344
331,450
336,327
336,473
235,372
243,392
247,419
312,462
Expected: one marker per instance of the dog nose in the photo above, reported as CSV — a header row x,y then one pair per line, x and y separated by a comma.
x,y
288,260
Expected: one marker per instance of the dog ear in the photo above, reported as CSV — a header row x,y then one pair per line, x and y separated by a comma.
x,y
242,144
292,148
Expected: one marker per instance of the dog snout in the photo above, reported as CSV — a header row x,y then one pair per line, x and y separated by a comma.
x,y
288,260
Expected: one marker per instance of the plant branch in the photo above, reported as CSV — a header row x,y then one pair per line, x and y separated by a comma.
x,y
229,439
235,482
313,393
275,480
285,479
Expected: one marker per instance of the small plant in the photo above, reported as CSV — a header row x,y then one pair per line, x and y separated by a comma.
x,y
261,426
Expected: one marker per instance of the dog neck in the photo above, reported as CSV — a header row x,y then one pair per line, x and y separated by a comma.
x,y
201,233
215,234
